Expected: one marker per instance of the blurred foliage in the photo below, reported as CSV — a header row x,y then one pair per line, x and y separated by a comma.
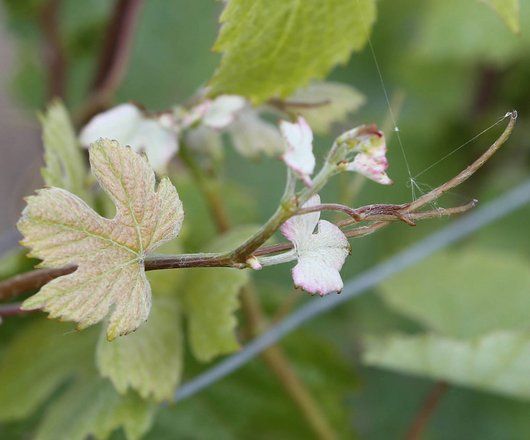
x,y
463,294
460,69
65,164
150,360
258,408
210,298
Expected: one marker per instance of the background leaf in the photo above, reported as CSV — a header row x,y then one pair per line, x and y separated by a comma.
x,y
466,32
93,408
497,362
65,165
464,294
252,404
150,359
32,367
272,47
508,10
333,102
211,300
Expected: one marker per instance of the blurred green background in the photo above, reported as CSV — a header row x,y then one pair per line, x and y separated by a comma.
x,y
458,70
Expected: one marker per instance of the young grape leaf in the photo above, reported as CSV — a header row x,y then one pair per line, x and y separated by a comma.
x,y
65,165
40,358
92,408
497,362
61,229
463,294
508,10
211,299
332,102
150,359
272,47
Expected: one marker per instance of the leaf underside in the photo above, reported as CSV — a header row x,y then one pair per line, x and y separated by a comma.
x,y
62,230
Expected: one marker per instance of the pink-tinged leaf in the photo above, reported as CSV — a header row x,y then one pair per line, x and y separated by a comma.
x,y
321,253
61,230
252,135
298,155
126,124
215,113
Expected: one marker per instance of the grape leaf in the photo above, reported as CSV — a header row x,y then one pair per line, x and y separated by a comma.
x,y
497,362
481,37
235,406
47,355
65,165
273,47
508,10
41,357
464,294
211,299
150,359
333,101
91,407
62,230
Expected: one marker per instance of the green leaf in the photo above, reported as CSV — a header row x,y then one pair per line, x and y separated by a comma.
x,y
464,294
14,262
508,10
464,31
62,230
65,166
272,47
92,407
333,102
40,358
211,300
150,359
253,404
497,362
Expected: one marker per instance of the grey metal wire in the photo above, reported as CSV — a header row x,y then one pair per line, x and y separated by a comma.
x,y
457,230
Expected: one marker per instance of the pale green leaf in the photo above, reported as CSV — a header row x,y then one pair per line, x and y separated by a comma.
x,y
252,403
508,10
464,294
332,103
498,362
92,407
62,230
467,32
41,357
150,359
65,166
211,300
272,47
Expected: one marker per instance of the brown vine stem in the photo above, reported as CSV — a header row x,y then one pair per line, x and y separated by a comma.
x,y
35,279
28,281
54,54
114,57
273,356
12,309
426,411
237,258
